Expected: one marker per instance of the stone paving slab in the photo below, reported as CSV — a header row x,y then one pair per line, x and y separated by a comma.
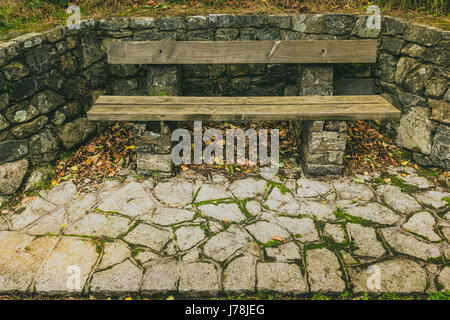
x,y
203,237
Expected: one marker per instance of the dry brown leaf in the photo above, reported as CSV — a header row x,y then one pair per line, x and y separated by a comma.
x,y
278,238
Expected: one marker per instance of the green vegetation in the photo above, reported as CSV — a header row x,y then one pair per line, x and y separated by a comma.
x,y
446,199
439,295
434,7
405,187
344,296
36,15
344,216
320,296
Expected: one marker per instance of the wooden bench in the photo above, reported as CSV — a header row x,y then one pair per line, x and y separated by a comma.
x,y
120,108
180,108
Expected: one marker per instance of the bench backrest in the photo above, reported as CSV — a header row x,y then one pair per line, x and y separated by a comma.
x,y
234,52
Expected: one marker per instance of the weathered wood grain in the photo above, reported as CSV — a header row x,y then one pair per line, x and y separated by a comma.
x,y
220,109
267,100
263,51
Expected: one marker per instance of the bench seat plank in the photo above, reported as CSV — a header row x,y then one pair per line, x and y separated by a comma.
x,y
121,108
224,52
276,100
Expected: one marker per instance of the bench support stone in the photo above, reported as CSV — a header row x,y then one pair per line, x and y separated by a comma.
x,y
153,148
153,144
323,142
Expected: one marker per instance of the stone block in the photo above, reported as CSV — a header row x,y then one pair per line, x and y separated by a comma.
x,y
170,23
309,23
386,67
316,80
339,24
422,34
114,23
12,150
440,150
414,131
362,30
201,35
391,44
279,21
11,176
440,110
142,23
196,22
268,34
222,21
393,26
251,21
162,79
354,86
154,163
226,34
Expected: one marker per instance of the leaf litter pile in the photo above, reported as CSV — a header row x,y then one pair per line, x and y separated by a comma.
x,y
113,149
368,150
102,157
288,152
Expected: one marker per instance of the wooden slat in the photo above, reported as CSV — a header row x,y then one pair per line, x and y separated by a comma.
x,y
340,110
178,100
264,51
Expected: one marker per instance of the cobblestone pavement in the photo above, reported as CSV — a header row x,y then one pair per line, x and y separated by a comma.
x,y
200,237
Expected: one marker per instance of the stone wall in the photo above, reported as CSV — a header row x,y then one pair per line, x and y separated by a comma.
x,y
49,80
413,72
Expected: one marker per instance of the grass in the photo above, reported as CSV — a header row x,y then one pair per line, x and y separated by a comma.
x,y
446,199
37,15
264,296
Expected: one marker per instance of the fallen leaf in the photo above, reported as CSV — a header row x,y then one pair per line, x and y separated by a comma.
x,y
28,199
278,238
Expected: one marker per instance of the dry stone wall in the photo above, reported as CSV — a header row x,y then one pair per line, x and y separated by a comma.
x,y
49,80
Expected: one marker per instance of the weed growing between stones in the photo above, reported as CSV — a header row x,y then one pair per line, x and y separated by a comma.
x,y
446,199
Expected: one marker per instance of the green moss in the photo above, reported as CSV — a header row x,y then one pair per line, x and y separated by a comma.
x,y
447,200
271,243
439,295
20,210
405,187
216,202
438,260
283,189
344,216
263,295
98,249
394,296
44,184
320,296
134,226
111,212
378,181
8,86
430,173
136,251
205,229
312,246
243,207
